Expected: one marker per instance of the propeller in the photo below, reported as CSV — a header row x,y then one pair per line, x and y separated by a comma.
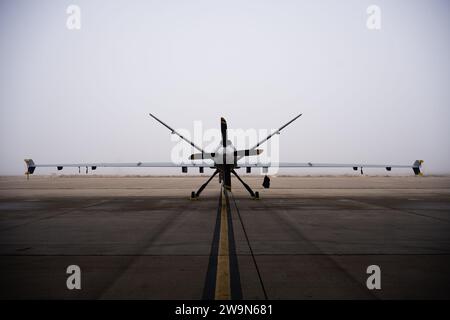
x,y
223,128
226,169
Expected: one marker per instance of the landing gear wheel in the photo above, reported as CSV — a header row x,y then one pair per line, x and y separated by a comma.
x,y
193,196
256,195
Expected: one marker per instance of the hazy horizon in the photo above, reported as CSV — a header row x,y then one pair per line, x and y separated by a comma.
x,y
367,96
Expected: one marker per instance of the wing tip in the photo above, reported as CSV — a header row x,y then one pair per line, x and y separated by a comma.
x,y
416,167
30,166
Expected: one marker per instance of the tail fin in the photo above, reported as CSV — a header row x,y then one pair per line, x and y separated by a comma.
x,y
416,167
30,166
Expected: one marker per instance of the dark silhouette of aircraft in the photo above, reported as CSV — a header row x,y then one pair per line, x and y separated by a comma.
x,y
225,160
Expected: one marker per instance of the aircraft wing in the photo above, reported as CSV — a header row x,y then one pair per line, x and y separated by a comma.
x,y
31,165
415,166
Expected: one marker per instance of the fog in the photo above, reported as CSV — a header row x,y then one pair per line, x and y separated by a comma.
x,y
373,96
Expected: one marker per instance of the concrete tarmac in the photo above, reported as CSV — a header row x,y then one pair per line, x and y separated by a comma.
x,y
306,238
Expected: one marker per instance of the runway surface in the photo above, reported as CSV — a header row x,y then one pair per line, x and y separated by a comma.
x,y
142,238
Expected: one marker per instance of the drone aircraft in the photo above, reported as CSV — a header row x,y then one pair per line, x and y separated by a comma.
x,y
224,161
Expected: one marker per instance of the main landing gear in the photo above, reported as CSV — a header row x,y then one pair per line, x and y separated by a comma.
x,y
255,195
196,194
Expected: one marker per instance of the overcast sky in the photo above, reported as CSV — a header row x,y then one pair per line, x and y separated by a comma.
x,y
376,96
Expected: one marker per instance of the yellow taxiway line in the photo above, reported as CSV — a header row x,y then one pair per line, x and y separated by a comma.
x,y
223,291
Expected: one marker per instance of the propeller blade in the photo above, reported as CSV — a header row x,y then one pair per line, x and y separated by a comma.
x,y
223,128
201,156
248,152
